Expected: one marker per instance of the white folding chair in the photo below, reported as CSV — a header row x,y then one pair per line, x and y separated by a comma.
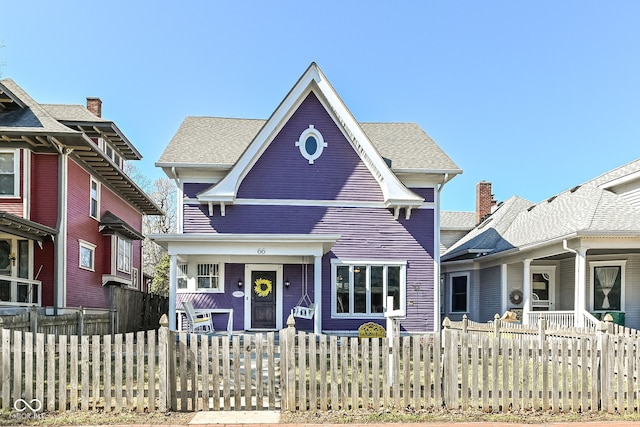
x,y
198,322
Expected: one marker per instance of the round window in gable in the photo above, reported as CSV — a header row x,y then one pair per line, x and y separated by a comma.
x,y
311,144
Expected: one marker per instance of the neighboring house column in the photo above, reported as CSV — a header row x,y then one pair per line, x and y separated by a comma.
x,y
581,286
526,307
173,268
317,294
504,285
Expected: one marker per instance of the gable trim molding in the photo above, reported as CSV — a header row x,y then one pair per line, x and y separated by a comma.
x,y
396,195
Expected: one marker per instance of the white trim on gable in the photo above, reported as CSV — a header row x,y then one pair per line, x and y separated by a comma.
x,y
396,195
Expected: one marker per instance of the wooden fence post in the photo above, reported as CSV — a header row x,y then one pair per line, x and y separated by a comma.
x,y
606,371
291,363
33,320
80,317
166,365
542,329
496,325
465,323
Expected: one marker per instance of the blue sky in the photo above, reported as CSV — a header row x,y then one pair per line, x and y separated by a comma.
x,y
533,96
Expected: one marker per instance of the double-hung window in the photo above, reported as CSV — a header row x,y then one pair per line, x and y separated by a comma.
x,y
459,292
607,283
363,288
124,255
181,276
87,255
94,195
209,278
9,168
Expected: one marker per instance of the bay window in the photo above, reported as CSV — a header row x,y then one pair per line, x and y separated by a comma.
x,y
124,255
363,288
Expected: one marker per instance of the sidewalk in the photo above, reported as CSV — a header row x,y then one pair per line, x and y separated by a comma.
x,y
272,419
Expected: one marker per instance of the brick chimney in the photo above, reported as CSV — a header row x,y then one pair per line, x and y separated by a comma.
x,y
484,201
95,106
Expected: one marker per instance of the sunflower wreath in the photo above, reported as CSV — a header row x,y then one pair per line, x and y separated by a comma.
x,y
263,287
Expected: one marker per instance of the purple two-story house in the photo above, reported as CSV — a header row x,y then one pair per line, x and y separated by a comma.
x,y
308,212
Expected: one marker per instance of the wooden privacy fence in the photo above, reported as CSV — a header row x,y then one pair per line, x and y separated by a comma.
x,y
163,370
76,323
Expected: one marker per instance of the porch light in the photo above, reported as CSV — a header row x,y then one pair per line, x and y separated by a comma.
x,y
287,283
239,283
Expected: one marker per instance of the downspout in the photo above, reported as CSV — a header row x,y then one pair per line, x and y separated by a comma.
x,y
60,244
579,284
436,257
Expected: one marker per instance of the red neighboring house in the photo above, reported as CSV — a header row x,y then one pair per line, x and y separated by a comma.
x,y
70,217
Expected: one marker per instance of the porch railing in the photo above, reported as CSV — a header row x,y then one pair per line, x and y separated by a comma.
x,y
17,291
561,319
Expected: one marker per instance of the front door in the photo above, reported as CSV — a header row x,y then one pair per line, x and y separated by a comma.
x,y
263,299
542,288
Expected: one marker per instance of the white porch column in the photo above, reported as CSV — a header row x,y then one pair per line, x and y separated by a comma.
x,y
317,294
173,268
580,281
526,307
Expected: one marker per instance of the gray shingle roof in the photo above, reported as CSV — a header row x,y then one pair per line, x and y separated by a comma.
x,y
585,209
616,173
457,220
72,113
33,118
221,141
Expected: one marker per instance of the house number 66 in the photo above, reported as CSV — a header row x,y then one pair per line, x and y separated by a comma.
x,y
262,251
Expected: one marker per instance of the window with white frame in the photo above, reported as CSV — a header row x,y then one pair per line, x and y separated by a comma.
x,y
134,278
363,288
459,292
87,255
607,284
209,278
181,276
124,255
9,167
94,204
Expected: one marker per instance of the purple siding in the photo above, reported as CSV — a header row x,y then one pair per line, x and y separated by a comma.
x,y
282,172
191,189
220,300
366,234
292,295
426,193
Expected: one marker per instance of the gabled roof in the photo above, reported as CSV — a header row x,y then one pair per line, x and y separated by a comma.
x,y
79,118
236,144
585,210
26,123
487,237
405,145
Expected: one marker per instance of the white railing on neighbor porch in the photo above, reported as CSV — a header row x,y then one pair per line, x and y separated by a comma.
x,y
563,319
18,291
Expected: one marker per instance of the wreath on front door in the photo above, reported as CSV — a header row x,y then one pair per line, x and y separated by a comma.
x,y
263,287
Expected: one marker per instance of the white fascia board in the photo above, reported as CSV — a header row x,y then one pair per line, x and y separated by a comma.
x,y
392,188
622,180
246,244
226,189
